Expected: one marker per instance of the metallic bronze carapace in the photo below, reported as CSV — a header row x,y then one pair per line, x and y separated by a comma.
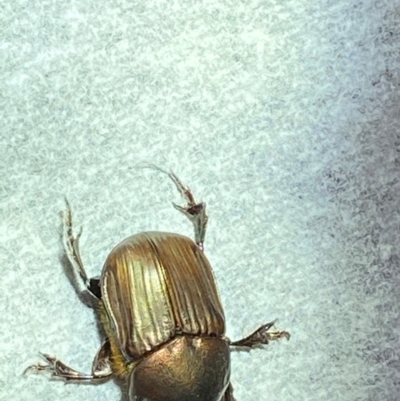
x,y
155,286
160,309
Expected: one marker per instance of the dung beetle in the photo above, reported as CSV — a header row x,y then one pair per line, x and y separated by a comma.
x,y
162,316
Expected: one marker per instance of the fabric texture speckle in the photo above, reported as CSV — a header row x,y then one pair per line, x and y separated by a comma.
x,y
282,116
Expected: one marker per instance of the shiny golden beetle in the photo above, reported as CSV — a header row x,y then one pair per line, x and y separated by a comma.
x,y
163,319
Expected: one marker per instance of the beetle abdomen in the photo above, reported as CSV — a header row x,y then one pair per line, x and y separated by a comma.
x,y
156,285
186,369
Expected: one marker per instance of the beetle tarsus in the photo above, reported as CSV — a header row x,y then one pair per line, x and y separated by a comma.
x,y
101,370
58,370
195,212
261,336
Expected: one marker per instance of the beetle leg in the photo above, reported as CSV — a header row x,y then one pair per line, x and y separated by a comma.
x,y
195,212
101,369
228,396
260,337
83,284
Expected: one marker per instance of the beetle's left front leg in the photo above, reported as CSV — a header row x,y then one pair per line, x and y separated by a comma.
x,y
261,336
101,369
82,284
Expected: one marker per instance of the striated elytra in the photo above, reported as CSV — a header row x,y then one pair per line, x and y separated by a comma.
x,y
162,315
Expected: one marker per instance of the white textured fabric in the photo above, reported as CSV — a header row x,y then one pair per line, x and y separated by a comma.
x,y
282,116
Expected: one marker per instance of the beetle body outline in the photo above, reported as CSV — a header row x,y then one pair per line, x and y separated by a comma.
x,y
162,315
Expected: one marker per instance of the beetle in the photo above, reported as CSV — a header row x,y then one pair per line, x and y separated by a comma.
x,y
162,316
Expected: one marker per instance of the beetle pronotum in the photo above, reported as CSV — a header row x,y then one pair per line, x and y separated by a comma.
x,y
160,309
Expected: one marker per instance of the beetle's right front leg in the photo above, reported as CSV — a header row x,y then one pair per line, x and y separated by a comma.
x,y
101,368
82,284
195,212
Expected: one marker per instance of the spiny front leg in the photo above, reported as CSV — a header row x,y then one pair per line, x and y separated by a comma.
x,y
82,283
195,212
101,369
261,336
